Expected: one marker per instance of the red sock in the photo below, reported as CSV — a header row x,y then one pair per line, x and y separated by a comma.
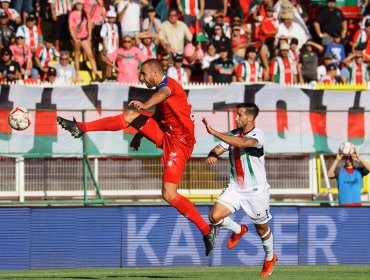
x,y
105,124
187,209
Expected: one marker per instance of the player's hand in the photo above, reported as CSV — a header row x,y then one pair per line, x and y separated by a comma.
x,y
210,130
339,156
355,155
211,160
137,104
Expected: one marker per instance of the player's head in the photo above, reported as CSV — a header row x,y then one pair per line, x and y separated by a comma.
x,y
348,161
151,72
250,109
246,114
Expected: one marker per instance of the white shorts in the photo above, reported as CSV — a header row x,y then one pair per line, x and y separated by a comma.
x,y
256,206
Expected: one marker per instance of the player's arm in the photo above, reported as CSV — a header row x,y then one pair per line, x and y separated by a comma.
x,y
361,160
214,154
331,171
238,142
156,98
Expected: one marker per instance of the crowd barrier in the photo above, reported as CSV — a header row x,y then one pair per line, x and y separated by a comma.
x,y
157,236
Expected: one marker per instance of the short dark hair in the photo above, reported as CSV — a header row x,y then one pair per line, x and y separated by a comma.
x,y
250,108
153,63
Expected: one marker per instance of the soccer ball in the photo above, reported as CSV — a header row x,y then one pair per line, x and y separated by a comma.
x,y
19,118
346,148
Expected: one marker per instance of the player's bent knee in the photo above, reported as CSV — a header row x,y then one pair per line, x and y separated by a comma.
x,y
139,121
214,218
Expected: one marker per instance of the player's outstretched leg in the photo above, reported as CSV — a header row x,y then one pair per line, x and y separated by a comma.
x,y
210,239
77,129
71,126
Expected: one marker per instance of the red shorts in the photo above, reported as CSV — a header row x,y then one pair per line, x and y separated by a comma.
x,y
175,152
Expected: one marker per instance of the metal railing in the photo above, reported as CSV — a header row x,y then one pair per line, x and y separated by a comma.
x,y
125,177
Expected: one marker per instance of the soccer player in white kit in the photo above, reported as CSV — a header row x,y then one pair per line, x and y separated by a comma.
x,y
248,187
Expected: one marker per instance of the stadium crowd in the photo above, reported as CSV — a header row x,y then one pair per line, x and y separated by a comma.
x,y
214,41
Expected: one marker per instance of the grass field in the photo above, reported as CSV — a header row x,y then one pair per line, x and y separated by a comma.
x,y
209,273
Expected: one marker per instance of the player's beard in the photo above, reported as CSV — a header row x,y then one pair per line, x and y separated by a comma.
x,y
150,82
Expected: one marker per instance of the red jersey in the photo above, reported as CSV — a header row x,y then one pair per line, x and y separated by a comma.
x,y
175,112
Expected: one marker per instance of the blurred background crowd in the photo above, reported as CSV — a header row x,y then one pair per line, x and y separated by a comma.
x,y
211,41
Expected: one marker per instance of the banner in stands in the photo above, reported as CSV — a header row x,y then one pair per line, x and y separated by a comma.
x,y
294,120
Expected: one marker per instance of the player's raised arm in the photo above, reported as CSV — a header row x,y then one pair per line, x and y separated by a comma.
x,y
155,99
239,142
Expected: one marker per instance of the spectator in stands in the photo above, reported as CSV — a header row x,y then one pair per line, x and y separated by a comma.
x,y
66,73
249,70
336,48
7,62
51,75
219,39
109,39
147,43
191,10
349,178
266,54
30,32
210,56
165,61
239,44
13,15
23,7
330,20
294,51
361,39
129,17
174,34
269,24
80,30
177,72
23,55
95,12
219,20
127,67
290,29
365,19
193,55
222,69
321,70
42,12
211,7
308,61
331,73
59,14
283,70
6,31
44,55
358,69
11,75
236,21
152,23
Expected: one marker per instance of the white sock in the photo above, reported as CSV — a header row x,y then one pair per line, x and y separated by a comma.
x,y
268,245
228,223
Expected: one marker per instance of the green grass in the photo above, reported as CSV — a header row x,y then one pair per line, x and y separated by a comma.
x,y
209,273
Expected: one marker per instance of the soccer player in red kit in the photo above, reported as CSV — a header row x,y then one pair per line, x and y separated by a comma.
x,y
171,128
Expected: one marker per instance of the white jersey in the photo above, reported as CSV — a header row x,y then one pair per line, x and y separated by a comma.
x,y
110,36
247,165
